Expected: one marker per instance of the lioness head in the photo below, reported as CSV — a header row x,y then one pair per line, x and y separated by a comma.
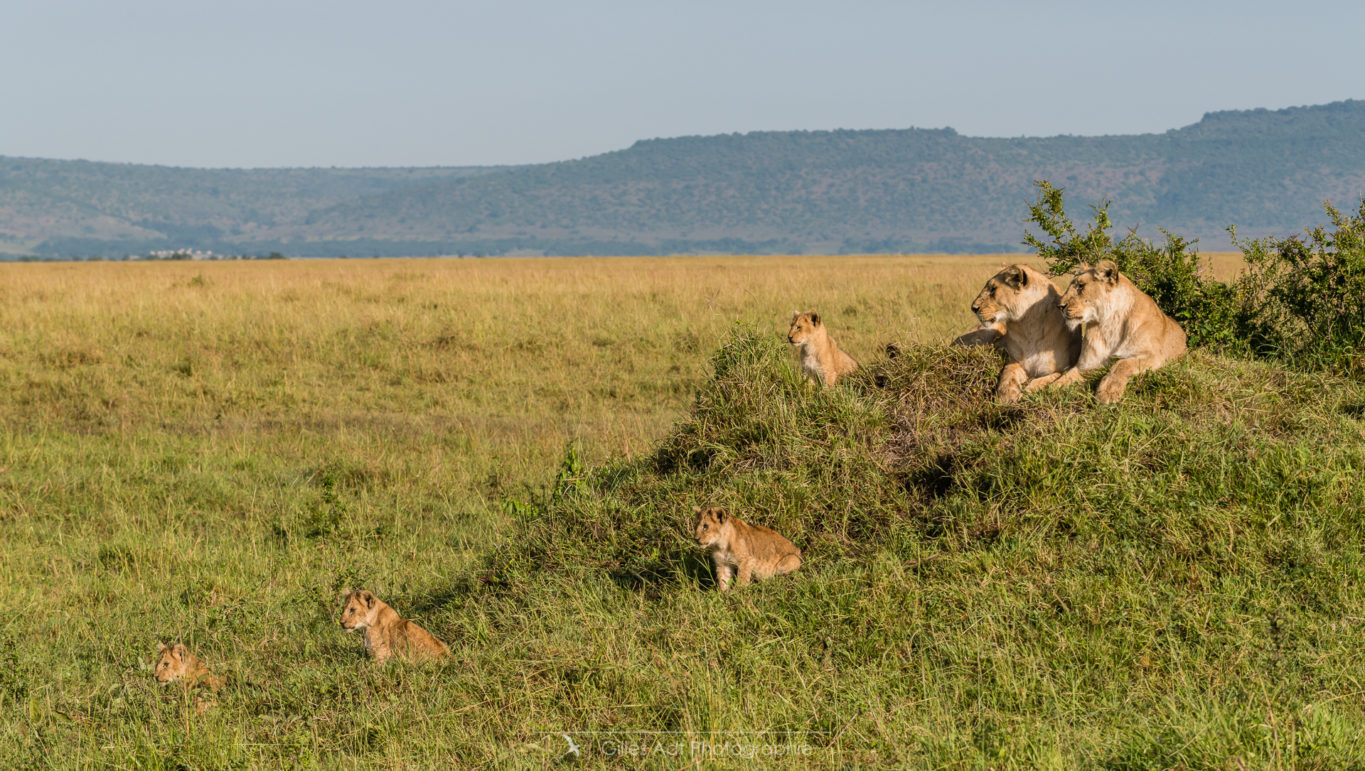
x,y
1088,291
359,609
1009,293
710,522
172,662
803,326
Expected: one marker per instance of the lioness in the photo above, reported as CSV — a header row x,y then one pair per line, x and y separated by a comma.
x,y
1120,322
821,359
755,550
386,633
1019,314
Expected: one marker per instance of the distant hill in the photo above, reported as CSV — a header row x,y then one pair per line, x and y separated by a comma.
x,y
801,191
63,207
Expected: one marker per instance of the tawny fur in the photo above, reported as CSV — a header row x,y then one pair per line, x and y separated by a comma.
x,y
821,359
752,550
1120,322
385,632
1019,316
175,663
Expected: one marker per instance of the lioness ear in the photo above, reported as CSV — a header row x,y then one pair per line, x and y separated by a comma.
x,y
1107,271
1016,277
814,317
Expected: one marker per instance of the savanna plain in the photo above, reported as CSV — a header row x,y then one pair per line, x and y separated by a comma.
x,y
508,451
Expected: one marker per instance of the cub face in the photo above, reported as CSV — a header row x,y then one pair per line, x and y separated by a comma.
x,y
358,609
803,327
710,522
1000,298
1089,290
172,662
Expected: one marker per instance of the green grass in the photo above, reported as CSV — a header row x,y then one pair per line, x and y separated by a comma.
x,y
1169,581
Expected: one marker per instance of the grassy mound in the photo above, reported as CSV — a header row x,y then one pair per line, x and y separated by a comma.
x,y
1173,580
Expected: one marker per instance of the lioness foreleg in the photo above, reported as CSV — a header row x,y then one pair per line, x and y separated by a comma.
x,y
1012,379
1073,375
1112,386
1039,383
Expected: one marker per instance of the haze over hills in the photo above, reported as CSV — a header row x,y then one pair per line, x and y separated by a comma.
x,y
799,191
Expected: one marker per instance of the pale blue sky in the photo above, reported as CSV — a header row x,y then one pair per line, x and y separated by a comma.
x,y
343,83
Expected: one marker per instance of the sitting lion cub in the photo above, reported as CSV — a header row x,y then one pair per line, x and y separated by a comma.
x,y
755,550
821,359
1120,322
1019,315
387,633
175,662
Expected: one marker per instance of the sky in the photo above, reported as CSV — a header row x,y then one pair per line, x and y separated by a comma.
x,y
405,83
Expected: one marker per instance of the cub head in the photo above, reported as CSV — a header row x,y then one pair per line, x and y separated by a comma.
x,y
1088,293
1008,294
803,327
359,609
172,662
711,524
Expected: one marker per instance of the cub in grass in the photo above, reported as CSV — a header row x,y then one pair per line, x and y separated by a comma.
x,y
821,359
176,663
386,633
1019,314
1121,322
755,550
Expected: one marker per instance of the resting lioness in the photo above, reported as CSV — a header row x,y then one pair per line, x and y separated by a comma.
x,y
1120,322
1019,315
755,550
821,359
386,633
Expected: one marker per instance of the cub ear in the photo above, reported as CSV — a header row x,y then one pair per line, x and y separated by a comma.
x,y
814,318
720,514
368,598
160,647
1016,277
696,509
1107,271
180,649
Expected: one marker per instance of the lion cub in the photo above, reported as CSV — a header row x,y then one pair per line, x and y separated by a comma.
x,y
755,550
821,359
387,633
175,662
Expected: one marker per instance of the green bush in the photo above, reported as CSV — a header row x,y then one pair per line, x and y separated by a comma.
x,y
1307,295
